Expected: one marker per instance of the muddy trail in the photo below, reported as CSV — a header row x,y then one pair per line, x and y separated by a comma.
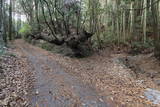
x,y
53,87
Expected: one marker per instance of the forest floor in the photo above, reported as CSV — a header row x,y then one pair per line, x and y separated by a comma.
x,y
105,79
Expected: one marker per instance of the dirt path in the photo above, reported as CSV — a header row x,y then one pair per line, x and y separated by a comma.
x,y
53,87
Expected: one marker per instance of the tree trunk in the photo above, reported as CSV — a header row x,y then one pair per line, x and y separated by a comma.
x,y
145,22
10,21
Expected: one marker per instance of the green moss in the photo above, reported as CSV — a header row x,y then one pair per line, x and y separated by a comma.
x,y
47,46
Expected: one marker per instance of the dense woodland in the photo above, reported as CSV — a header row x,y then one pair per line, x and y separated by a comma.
x,y
79,53
83,24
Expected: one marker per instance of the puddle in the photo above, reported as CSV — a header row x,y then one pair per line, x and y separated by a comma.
x,y
152,95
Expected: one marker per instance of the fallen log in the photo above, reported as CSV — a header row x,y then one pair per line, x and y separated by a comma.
x,y
77,42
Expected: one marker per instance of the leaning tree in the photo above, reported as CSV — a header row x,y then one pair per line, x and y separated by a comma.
x,y
63,19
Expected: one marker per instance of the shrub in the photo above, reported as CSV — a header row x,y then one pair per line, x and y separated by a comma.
x,y
25,30
157,50
47,46
140,47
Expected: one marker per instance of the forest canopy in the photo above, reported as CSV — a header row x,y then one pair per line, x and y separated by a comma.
x,y
83,24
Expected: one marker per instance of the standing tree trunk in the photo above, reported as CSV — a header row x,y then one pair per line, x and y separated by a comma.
x,y
124,26
1,18
1,26
10,20
132,19
3,37
36,3
145,22
155,25
4,23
